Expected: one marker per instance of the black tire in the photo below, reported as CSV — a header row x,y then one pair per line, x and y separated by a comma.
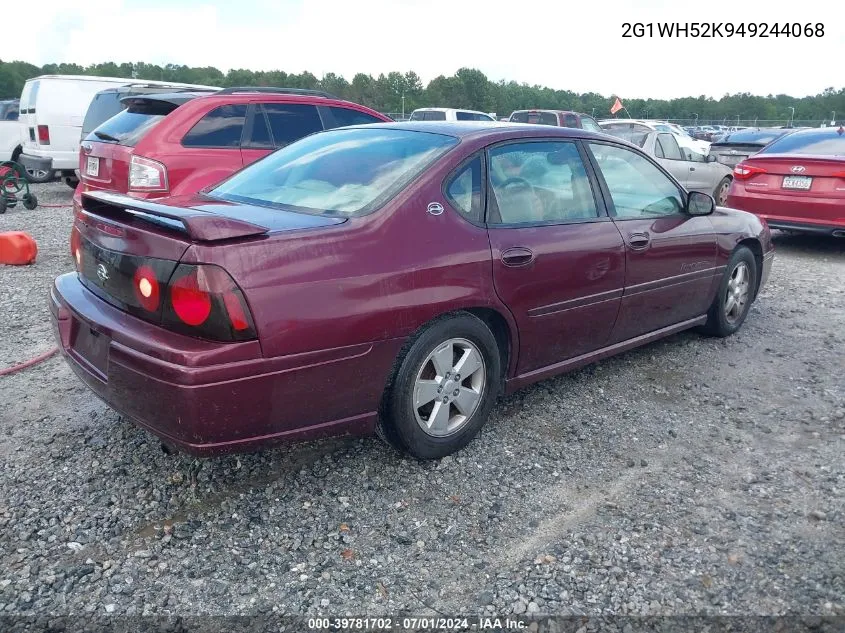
x,y
398,420
718,322
49,176
29,201
726,184
71,182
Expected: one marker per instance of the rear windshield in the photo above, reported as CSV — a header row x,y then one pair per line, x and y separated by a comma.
x,y
428,115
540,118
312,175
821,142
104,106
752,137
460,115
129,126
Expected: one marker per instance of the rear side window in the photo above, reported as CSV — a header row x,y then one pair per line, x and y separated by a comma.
x,y
290,122
464,190
824,142
222,127
472,116
104,106
348,116
258,135
570,120
539,118
429,115
131,125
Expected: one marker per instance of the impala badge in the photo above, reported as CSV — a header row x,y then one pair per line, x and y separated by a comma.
x,y
797,169
435,208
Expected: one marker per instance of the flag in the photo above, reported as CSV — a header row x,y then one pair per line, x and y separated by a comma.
x,y
616,107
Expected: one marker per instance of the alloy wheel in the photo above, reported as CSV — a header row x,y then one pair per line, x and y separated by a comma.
x,y
737,293
449,386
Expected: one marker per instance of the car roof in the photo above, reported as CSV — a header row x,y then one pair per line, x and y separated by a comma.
x,y
546,110
474,129
450,110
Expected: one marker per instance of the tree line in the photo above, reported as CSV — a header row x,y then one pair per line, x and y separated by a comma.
x,y
467,88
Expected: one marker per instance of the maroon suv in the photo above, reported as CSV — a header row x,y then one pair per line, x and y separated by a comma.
x,y
170,144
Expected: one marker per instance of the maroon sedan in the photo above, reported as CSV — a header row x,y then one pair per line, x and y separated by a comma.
x,y
396,277
797,182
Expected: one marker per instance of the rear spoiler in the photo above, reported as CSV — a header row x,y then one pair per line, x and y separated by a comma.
x,y
199,225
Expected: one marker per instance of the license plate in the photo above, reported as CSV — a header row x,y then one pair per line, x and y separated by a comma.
x,y
797,182
91,347
93,166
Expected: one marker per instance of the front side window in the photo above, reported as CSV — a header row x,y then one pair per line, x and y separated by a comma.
x,y
313,175
464,190
222,127
637,187
539,182
669,147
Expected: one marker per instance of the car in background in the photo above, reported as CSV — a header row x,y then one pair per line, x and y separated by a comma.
x,y
52,110
736,146
694,171
449,114
632,126
178,143
295,300
561,118
10,147
796,182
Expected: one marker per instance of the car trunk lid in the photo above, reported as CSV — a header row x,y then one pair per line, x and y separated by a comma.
x,y
798,175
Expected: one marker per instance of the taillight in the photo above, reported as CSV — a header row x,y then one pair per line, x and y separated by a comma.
x,y
146,174
839,174
43,135
744,171
204,301
76,247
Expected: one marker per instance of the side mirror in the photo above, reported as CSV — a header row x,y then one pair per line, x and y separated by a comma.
x,y
700,203
710,158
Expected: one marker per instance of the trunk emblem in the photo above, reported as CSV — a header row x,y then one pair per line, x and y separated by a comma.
x,y
435,208
87,147
102,273
797,169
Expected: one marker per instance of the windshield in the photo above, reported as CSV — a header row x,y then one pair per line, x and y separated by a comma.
x,y
822,142
130,125
346,172
104,106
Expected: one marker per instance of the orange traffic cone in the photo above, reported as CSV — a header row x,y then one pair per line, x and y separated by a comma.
x,y
17,248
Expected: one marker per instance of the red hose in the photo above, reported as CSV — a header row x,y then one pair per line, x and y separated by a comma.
x,y
28,363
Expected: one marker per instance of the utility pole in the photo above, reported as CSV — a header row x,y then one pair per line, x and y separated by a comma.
x,y
791,115
403,105
696,118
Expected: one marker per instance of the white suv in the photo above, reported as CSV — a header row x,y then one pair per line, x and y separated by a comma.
x,y
449,114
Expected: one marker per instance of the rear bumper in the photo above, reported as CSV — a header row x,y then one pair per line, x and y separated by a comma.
x,y
207,398
810,214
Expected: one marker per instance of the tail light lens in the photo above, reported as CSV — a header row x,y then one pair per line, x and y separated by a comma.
x,y
146,174
43,135
204,301
76,247
146,288
744,171
839,174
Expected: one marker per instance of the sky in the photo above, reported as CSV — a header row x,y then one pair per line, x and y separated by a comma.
x,y
562,44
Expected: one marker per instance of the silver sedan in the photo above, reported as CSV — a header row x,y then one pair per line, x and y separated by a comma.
x,y
696,172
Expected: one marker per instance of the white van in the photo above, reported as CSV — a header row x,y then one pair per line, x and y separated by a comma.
x,y
52,110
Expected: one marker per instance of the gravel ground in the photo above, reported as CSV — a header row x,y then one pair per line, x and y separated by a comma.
x,y
692,476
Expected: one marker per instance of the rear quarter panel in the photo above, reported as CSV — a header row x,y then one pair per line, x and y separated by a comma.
x,y
372,278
